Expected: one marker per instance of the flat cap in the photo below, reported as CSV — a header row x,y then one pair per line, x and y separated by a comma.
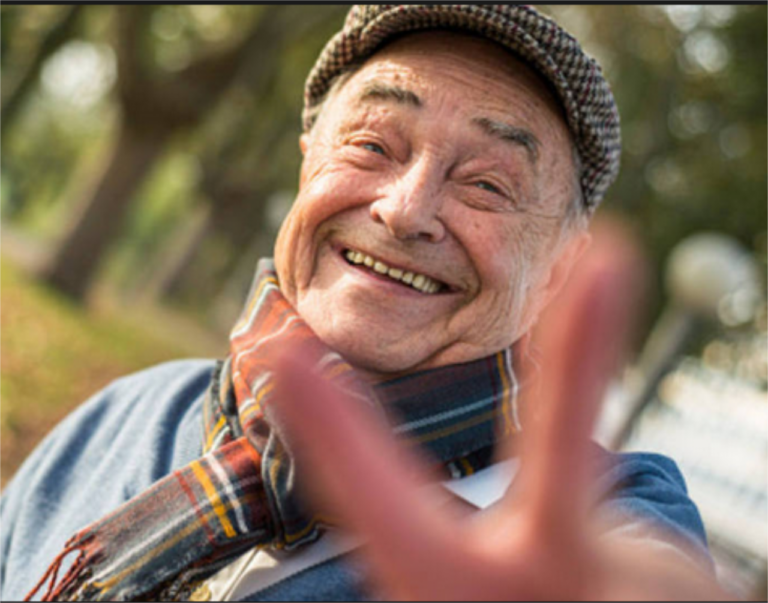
x,y
551,51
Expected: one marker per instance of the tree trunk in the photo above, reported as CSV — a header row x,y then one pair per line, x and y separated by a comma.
x,y
179,255
97,223
154,108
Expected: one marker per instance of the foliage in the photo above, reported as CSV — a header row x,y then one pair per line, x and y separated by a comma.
x,y
690,82
55,355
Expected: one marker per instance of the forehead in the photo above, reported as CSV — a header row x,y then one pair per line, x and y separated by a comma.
x,y
464,53
473,75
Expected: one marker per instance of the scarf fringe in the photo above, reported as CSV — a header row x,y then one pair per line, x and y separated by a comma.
x,y
463,403
55,591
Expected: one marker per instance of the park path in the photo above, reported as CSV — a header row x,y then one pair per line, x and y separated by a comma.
x,y
23,250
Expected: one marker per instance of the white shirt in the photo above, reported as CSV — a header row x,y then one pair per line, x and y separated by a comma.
x,y
260,568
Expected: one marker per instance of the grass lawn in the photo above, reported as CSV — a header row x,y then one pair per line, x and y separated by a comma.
x,y
55,354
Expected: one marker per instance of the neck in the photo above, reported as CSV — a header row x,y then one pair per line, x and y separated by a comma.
x,y
373,376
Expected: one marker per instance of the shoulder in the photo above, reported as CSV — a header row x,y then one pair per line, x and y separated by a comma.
x,y
142,415
644,495
169,381
152,415
123,439
149,419
155,397
640,479
632,472
150,404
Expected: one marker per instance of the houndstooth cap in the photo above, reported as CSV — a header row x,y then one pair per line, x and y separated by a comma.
x,y
556,55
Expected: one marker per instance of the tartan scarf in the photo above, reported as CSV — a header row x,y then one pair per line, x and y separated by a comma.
x,y
241,493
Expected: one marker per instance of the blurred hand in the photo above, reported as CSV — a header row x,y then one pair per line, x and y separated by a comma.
x,y
536,543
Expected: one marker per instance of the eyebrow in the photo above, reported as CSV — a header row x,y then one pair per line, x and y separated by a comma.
x,y
513,134
388,92
518,136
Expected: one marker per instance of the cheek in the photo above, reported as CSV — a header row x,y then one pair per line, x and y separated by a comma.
x,y
534,248
500,254
507,258
324,195
334,189
285,255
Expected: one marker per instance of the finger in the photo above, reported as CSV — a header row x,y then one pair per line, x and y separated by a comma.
x,y
374,486
580,340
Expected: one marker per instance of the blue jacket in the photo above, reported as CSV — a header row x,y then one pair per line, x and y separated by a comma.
x,y
144,426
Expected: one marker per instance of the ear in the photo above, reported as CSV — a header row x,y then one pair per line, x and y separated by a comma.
x,y
304,143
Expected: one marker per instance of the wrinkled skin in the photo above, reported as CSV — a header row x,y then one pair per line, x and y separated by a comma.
x,y
537,542
425,188
420,186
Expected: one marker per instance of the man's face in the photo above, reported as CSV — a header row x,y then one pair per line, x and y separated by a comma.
x,y
442,162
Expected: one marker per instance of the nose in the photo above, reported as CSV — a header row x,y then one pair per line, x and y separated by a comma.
x,y
410,209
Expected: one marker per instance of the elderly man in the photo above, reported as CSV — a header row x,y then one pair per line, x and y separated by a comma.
x,y
452,157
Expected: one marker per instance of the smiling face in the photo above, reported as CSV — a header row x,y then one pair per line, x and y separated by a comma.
x,y
428,225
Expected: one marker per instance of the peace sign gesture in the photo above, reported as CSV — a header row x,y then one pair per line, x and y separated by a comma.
x,y
537,542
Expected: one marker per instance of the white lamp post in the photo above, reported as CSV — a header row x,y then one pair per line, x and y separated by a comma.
x,y
708,276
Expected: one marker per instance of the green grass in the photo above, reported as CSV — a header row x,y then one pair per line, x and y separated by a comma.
x,y
55,354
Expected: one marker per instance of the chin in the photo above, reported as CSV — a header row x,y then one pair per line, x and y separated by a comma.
x,y
373,356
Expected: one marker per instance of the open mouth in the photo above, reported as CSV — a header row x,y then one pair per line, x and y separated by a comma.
x,y
414,280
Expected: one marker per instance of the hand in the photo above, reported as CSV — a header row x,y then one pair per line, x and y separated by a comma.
x,y
536,543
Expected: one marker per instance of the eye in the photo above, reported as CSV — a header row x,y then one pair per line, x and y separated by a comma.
x,y
373,148
487,186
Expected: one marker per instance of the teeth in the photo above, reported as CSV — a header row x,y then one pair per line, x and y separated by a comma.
x,y
417,281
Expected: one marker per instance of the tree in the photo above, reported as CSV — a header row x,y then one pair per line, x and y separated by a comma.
x,y
153,109
61,31
244,157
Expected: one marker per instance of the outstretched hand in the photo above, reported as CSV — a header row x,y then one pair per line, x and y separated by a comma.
x,y
537,542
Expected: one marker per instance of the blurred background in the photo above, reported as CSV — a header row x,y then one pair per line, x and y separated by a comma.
x,y
149,154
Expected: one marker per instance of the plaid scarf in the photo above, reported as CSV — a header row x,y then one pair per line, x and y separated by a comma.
x,y
241,493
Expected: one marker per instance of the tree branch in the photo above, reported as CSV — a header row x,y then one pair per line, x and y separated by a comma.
x,y
58,34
